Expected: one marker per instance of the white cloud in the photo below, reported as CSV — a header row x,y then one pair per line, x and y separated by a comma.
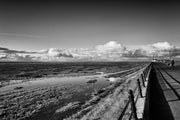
x,y
53,52
159,49
111,51
15,57
110,46
163,46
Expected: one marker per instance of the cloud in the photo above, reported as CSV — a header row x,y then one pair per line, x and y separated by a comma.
x,y
52,54
20,35
55,52
15,57
3,49
159,49
6,50
163,46
163,49
175,52
136,53
110,46
110,51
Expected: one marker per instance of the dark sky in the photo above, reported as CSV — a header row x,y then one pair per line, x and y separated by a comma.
x,y
35,25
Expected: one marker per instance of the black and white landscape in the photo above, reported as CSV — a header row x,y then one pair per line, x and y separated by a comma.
x,y
76,60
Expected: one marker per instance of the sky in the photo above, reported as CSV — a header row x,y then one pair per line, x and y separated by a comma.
x,y
72,29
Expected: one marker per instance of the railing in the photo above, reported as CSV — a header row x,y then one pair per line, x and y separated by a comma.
x,y
129,111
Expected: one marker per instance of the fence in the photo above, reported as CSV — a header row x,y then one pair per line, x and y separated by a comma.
x,y
134,95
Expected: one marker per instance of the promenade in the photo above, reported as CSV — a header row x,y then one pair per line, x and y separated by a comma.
x,y
164,97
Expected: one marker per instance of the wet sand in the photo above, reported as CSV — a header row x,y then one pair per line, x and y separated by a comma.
x,y
39,99
46,93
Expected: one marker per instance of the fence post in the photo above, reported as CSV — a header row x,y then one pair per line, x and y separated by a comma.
x,y
144,77
139,87
143,81
133,106
144,72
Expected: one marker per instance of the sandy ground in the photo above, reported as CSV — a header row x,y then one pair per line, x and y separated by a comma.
x,y
43,82
54,98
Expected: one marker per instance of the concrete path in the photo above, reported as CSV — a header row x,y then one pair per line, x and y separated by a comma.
x,y
164,92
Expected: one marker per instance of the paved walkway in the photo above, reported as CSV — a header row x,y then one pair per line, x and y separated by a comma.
x,y
164,92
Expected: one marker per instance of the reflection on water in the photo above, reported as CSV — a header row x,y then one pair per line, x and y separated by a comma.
x,y
44,82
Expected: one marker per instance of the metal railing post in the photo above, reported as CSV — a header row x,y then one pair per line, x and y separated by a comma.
x,y
144,77
139,87
144,72
143,80
133,106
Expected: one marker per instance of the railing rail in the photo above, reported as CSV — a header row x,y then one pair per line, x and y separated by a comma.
x,y
132,99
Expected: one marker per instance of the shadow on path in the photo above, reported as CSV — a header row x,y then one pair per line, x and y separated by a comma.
x,y
158,106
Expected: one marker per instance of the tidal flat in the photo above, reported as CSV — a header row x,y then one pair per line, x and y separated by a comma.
x,y
53,91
